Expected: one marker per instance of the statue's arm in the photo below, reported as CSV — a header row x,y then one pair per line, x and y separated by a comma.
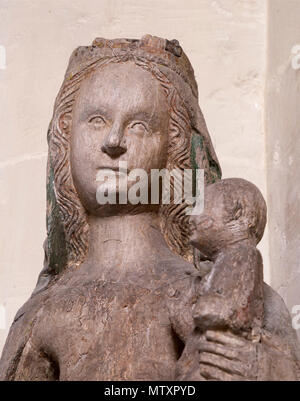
x,y
224,356
276,361
19,334
219,355
280,354
21,357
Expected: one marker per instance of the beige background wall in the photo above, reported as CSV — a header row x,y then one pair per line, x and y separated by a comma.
x,y
283,150
226,41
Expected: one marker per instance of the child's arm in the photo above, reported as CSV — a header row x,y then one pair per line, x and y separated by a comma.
x,y
231,296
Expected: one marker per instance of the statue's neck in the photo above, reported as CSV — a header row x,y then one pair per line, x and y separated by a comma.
x,y
122,245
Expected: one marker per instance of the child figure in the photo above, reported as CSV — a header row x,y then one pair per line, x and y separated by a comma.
x,y
227,232
230,297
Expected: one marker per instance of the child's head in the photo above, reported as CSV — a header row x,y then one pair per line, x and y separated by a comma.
x,y
234,209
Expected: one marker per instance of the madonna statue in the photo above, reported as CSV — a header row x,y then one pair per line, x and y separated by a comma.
x,y
114,299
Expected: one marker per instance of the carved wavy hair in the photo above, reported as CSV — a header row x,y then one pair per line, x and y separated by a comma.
x,y
174,221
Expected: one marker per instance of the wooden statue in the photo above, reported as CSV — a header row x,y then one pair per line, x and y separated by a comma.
x,y
115,299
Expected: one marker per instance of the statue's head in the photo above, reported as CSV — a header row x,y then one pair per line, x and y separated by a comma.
x,y
120,115
121,100
234,210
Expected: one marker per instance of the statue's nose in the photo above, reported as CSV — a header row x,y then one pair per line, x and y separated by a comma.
x,y
114,144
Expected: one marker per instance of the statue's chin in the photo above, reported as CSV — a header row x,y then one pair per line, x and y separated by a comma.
x,y
123,196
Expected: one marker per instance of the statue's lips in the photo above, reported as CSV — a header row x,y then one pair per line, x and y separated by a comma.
x,y
110,171
118,169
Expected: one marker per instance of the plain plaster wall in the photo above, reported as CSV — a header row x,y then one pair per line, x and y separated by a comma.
x,y
226,43
283,149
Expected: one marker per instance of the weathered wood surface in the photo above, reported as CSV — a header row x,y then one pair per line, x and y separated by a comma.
x,y
116,296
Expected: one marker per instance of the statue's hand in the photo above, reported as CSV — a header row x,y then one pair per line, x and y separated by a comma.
x,y
226,356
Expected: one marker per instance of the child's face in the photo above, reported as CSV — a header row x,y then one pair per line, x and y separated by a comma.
x,y
208,230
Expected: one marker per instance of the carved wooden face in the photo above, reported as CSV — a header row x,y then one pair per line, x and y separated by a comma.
x,y
208,231
120,114
226,218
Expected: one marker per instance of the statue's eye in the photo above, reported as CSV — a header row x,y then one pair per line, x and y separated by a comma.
x,y
138,127
97,122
